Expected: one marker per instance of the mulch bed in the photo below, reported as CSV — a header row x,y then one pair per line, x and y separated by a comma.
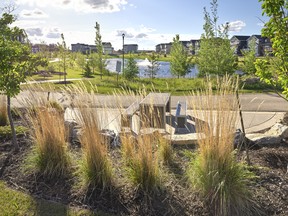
x,y
270,189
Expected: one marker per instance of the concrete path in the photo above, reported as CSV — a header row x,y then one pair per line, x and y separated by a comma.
x,y
260,111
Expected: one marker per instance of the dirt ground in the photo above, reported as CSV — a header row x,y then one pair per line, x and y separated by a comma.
x,y
270,189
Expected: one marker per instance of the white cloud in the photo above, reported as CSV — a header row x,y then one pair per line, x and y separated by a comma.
x,y
36,13
52,32
260,24
236,26
34,32
86,6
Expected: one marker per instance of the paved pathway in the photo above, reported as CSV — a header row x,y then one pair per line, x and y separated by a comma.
x,y
260,110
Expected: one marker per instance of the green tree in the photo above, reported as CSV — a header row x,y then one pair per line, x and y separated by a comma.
x,y
180,63
249,59
131,70
87,71
81,61
101,63
15,55
63,56
93,61
154,66
215,55
274,71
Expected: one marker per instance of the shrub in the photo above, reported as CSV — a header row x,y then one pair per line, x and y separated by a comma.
x,y
214,171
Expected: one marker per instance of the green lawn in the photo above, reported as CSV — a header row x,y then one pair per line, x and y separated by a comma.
x,y
16,203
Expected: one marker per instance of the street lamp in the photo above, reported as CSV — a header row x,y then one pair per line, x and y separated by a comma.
x,y
123,35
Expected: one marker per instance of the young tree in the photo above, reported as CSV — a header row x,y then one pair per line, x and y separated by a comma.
x,y
87,70
154,66
93,61
81,61
274,71
100,61
249,59
63,56
15,55
180,63
215,55
131,70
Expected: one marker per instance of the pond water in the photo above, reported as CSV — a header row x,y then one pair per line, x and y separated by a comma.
x,y
164,68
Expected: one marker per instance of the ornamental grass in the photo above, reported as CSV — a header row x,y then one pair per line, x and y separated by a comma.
x,y
214,172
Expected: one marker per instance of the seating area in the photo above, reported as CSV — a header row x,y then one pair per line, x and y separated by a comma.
x,y
181,115
154,111
127,115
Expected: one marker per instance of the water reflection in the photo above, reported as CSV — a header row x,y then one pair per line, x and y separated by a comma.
x,y
164,68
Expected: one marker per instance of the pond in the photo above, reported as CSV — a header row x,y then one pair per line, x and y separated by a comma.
x,y
164,68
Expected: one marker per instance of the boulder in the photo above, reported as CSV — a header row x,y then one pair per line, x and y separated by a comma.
x,y
262,140
278,129
73,131
240,140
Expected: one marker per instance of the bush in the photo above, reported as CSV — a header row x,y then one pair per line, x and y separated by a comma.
x,y
214,171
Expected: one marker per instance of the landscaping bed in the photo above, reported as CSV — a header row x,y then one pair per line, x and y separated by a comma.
x,y
175,197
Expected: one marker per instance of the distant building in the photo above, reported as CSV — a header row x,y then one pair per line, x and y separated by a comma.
x,y
44,47
107,48
192,47
163,48
263,45
80,47
85,48
130,48
239,43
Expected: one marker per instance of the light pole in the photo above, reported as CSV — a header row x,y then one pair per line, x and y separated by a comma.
x,y
123,35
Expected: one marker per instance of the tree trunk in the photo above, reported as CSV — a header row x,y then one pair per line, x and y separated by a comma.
x,y
14,140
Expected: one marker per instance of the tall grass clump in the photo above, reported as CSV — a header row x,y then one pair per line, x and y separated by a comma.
x,y
3,111
141,161
215,172
52,157
96,168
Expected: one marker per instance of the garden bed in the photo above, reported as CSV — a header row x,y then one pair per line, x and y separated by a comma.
x,y
175,197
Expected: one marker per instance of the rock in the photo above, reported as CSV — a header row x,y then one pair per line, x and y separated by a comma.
x,y
110,137
264,140
240,140
278,130
73,130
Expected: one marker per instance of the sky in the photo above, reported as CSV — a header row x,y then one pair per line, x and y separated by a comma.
x,y
144,22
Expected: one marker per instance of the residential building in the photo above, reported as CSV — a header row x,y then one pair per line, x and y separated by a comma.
x,y
263,45
130,48
80,47
44,47
163,48
85,48
107,48
239,43
192,47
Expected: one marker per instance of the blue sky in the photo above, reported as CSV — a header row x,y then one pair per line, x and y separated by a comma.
x,y
145,22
